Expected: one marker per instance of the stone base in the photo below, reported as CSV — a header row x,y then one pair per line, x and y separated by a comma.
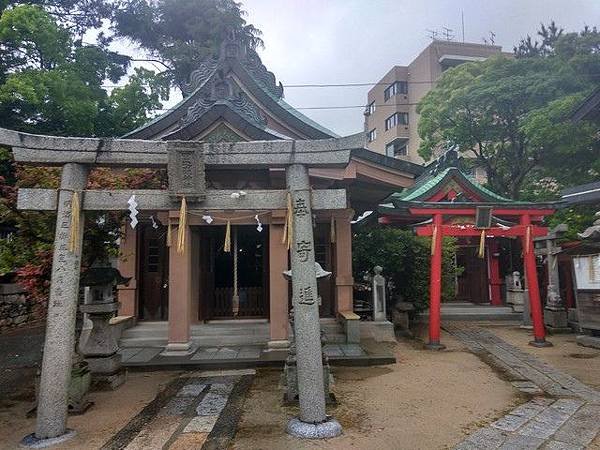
x,y
108,382
540,344
435,346
31,441
178,349
518,308
561,330
283,344
556,318
325,430
382,331
588,341
104,364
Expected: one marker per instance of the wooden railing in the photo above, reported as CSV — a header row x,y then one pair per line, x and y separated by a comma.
x,y
252,302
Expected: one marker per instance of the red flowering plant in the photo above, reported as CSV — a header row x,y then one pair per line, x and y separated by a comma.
x,y
26,248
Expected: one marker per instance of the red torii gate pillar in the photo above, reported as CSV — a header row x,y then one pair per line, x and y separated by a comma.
x,y
535,302
435,285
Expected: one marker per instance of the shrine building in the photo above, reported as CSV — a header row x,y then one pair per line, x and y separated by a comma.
x,y
232,277
445,201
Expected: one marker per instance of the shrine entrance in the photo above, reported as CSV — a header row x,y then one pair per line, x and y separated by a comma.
x,y
154,273
233,284
472,283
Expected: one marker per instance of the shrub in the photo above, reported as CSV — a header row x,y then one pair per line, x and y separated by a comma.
x,y
405,259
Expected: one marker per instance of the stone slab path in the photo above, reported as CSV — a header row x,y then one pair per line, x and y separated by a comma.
x,y
195,411
564,414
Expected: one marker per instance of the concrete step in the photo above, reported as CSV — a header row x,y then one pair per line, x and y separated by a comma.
x,y
218,333
470,311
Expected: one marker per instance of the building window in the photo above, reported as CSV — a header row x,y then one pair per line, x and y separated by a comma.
x,y
372,135
370,108
389,150
399,118
395,149
397,87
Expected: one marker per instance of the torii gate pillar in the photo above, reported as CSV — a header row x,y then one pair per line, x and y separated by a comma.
x,y
52,406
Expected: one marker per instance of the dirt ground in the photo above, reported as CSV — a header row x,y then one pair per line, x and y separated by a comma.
x,y
428,400
111,411
581,362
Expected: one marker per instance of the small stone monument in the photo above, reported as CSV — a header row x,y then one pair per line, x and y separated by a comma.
x,y
101,347
379,306
290,371
515,294
555,313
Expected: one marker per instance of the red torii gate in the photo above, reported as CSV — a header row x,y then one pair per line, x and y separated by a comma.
x,y
526,230
458,206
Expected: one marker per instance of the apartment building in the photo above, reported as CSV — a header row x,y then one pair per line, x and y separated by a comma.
x,y
391,117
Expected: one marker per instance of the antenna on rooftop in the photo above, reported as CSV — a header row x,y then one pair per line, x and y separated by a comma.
x,y
462,21
492,37
448,33
432,34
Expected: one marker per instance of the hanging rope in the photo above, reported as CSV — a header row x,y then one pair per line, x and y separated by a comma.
x,y
481,252
434,239
74,232
227,244
332,230
169,235
181,231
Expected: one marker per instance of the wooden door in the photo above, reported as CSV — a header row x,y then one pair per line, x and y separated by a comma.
x,y
154,263
473,282
217,273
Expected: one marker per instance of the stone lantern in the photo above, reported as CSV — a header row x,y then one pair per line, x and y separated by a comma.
x,y
290,373
101,347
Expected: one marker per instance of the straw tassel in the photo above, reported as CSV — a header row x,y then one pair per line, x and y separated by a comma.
x,y
288,225
169,236
332,230
481,252
227,244
181,231
527,238
75,225
434,239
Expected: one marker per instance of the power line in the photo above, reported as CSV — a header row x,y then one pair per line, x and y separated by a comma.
x,y
322,107
316,85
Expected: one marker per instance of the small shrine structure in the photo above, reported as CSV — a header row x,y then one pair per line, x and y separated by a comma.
x,y
446,202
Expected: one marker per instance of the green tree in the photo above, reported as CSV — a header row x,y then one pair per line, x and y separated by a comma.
x,y
180,33
512,115
53,83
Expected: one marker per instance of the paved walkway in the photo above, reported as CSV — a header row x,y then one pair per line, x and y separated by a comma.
x,y
197,411
563,415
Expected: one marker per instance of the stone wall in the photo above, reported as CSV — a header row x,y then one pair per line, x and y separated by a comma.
x,y
15,309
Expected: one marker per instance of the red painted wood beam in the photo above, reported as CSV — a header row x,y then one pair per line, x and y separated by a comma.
x,y
498,211
456,230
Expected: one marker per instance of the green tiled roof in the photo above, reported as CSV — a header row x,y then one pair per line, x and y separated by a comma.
x,y
427,186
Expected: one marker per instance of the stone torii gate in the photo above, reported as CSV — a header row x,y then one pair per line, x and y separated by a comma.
x,y
186,163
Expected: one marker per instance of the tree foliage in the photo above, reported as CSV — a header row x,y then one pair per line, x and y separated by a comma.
x,y
512,114
180,33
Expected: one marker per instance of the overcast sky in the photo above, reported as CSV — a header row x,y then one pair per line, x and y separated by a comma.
x,y
358,41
